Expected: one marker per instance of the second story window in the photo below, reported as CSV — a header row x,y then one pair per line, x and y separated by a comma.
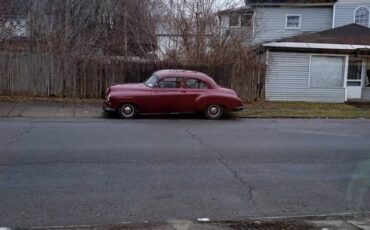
x,y
234,20
245,20
362,16
240,20
16,27
293,21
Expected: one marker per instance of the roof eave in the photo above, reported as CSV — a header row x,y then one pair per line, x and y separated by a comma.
x,y
315,46
241,9
292,4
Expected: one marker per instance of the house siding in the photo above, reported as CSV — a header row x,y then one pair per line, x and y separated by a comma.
x,y
287,80
270,22
345,10
365,94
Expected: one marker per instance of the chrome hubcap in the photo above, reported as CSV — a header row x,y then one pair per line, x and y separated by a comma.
x,y
214,111
127,110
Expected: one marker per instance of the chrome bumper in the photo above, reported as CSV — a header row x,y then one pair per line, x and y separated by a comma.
x,y
107,108
241,108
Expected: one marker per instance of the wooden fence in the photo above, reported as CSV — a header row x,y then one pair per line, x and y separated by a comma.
x,y
42,75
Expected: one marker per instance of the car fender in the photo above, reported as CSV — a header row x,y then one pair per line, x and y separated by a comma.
x,y
118,98
229,102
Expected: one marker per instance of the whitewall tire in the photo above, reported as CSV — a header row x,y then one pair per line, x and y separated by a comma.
x,y
128,111
214,112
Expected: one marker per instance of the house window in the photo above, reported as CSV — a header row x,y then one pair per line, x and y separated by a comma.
x,y
326,71
16,27
362,16
240,20
245,20
293,21
234,20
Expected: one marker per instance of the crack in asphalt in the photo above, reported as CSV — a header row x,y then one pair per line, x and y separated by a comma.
x,y
17,137
221,159
10,111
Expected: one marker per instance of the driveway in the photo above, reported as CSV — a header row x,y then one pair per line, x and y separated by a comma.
x,y
99,171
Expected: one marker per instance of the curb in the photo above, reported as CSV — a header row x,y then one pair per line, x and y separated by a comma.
x,y
357,220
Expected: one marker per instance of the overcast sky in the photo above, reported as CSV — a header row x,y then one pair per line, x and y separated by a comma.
x,y
234,3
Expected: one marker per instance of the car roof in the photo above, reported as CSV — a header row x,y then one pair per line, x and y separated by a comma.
x,y
185,74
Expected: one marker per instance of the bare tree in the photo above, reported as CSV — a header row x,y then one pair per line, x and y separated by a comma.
x,y
199,34
127,28
13,20
84,27
202,33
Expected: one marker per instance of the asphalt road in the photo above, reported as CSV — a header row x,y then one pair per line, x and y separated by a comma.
x,y
98,171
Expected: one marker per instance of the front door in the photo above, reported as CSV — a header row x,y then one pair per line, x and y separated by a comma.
x,y
354,78
167,94
367,74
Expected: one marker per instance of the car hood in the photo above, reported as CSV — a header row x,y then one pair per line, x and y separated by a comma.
x,y
135,86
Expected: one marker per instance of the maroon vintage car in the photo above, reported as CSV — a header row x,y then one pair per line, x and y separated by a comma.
x,y
172,91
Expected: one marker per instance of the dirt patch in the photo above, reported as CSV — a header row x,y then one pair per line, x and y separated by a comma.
x,y
270,225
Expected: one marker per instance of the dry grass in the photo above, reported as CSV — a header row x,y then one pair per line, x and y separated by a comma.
x,y
49,99
303,110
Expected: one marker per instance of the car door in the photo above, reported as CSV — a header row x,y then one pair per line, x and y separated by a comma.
x,y
193,88
167,94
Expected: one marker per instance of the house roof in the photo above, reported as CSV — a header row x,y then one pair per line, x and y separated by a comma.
x,y
288,2
352,34
244,9
351,37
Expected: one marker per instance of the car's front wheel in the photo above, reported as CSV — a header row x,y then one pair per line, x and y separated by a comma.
x,y
128,111
214,112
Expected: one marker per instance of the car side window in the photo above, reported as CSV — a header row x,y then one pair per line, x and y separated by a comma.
x,y
195,84
171,83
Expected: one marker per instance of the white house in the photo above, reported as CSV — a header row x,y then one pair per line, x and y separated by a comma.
x,y
316,50
327,66
276,19
168,38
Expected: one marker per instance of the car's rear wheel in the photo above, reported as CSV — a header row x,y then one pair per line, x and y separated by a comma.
x,y
128,111
214,112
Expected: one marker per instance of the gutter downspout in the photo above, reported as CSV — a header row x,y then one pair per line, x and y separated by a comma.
x,y
345,77
266,72
334,12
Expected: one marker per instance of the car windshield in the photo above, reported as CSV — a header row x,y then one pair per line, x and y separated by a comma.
x,y
152,81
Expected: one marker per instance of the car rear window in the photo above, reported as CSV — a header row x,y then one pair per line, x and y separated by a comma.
x,y
195,84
